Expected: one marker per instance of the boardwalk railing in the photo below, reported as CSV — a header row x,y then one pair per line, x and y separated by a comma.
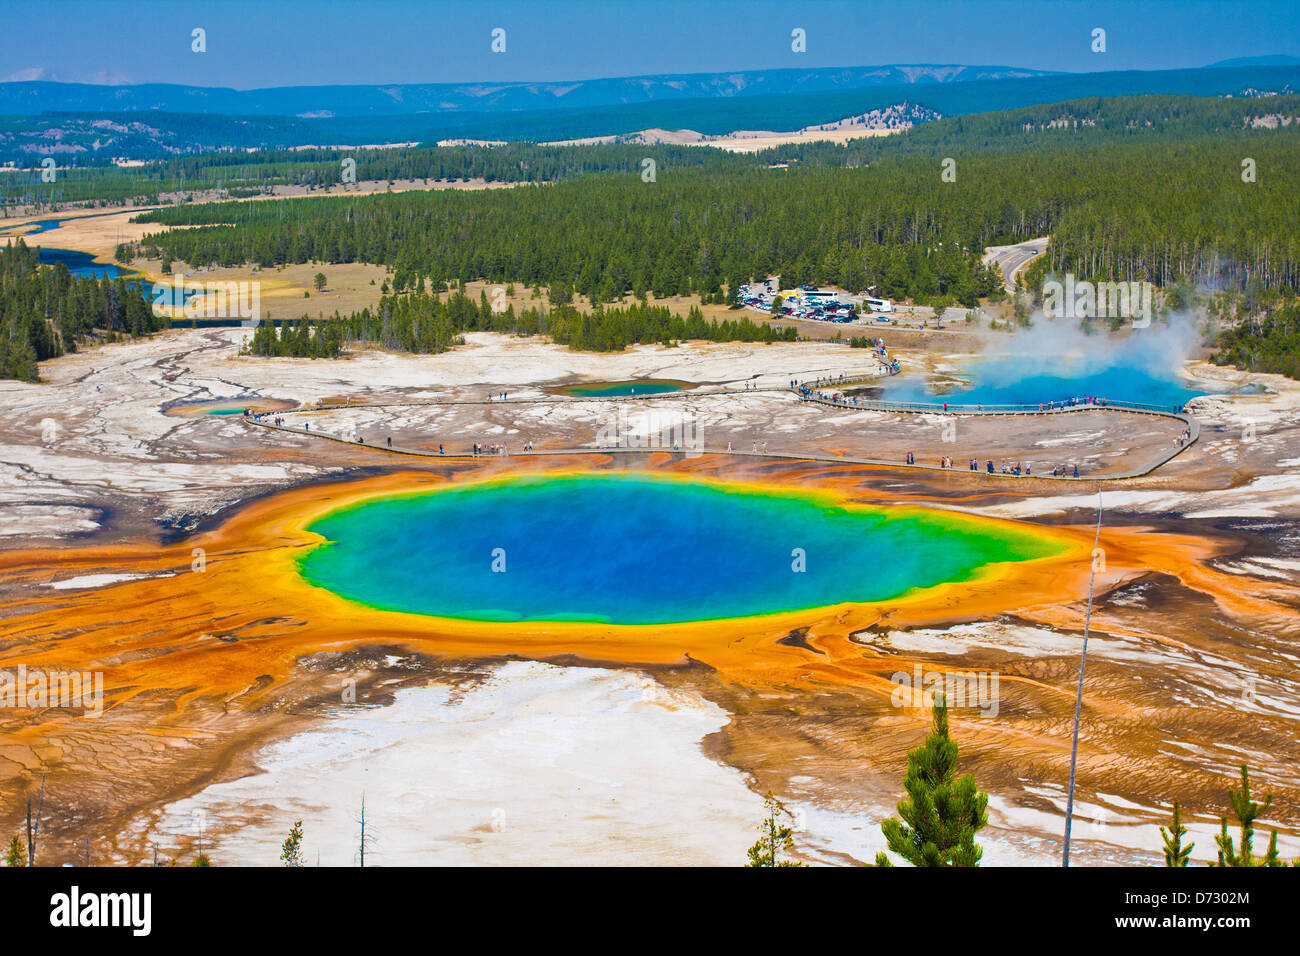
x,y
818,392
1177,413
1055,408
832,381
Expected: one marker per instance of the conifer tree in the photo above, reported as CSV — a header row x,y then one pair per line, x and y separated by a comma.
x,y
941,812
775,840
1175,853
17,853
291,850
1247,812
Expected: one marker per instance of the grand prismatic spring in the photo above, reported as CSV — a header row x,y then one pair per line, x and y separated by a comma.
x,y
643,550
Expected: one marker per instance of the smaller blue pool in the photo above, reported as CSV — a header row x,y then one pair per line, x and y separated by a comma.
x,y
640,386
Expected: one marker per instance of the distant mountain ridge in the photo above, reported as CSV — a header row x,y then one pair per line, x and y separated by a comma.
x,y
144,134
83,137
33,97
720,115
1276,59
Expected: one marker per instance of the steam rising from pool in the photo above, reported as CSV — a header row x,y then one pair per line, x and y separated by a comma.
x,y
1055,360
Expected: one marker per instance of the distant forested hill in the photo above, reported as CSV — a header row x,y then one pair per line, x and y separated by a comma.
x,y
1090,122
201,120
1094,121
97,138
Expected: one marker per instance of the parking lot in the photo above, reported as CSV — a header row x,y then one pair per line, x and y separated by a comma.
x,y
809,303
814,311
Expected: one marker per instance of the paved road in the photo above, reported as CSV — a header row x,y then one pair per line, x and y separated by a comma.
x,y
1014,258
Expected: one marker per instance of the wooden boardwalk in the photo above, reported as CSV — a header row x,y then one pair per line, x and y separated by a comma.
x,y
1193,428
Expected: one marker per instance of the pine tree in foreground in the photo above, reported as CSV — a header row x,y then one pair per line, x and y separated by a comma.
x,y
1175,853
1247,812
291,850
776,838
941,812
16,854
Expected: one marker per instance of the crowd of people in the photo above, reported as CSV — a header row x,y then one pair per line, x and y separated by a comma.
x,y
1024,469
1072,403
810,391
268,417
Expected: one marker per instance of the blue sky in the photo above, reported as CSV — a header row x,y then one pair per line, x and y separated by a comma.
x,y
256,43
